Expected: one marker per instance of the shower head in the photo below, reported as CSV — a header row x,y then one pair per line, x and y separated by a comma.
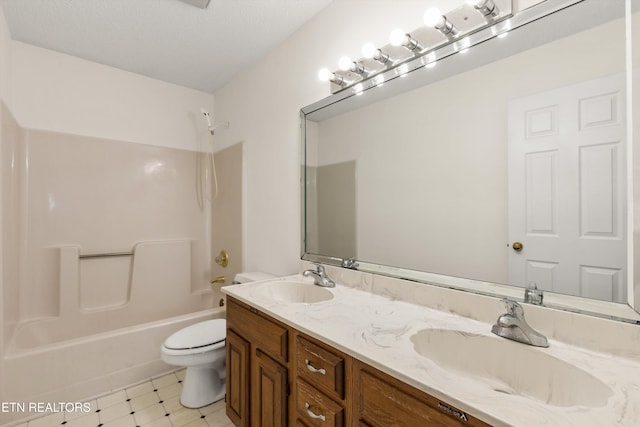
x,y
208,117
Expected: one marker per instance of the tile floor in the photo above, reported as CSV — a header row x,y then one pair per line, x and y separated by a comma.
x,y
152,404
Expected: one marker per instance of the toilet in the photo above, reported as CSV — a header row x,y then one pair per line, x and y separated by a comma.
x,y
201,349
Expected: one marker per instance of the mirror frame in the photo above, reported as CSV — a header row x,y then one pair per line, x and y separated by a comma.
x,y
395,86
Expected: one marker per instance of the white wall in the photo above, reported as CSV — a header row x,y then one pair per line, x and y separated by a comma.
x,y
5,60
263,106
61,93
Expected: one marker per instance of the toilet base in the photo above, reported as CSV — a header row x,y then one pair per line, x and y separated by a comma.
x,y
201,387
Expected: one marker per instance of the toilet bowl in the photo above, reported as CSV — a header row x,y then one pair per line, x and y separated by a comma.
x,y
201,349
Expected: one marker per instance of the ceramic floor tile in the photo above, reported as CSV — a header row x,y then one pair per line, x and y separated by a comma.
x,y
114,412
144,400
47,420
170,391
217,419
112,399
184,416
196,423
126,421
69,416
165,381
140,389
217,406
160,422
149,414
181,374
172,404
87,420
141,406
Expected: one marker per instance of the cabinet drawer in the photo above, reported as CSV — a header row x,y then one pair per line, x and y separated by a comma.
x,y
320,367
382,401
265,334
315,409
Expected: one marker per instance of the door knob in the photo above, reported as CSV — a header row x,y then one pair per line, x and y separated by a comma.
x,y
517,246
222,259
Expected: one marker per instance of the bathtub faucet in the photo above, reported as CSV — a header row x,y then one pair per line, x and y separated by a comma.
x,y
320,277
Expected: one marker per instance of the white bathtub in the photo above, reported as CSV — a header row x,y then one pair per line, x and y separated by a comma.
x,y
82,368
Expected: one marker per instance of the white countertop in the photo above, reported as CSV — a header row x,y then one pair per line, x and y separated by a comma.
x,y
377,330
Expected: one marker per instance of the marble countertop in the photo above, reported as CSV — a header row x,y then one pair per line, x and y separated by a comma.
x,y
377,330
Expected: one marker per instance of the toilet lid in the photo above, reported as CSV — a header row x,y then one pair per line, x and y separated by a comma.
x,y
198,335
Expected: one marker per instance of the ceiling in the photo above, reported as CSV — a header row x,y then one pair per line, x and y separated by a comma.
x,y
169,40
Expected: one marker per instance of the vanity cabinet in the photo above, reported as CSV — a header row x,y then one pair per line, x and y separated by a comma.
x,y
257,368
267,359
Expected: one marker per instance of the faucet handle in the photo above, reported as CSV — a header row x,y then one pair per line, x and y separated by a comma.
x,y
320,268
513,308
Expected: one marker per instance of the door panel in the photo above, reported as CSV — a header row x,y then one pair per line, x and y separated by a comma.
x,y
567,187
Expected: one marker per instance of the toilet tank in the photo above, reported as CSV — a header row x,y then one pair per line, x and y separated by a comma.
x,y
251,277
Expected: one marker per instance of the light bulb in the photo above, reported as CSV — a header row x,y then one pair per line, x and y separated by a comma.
x,y
344,63
324,75
433,17
369,50
397,36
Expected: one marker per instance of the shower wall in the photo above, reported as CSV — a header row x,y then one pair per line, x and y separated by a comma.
x,y
101,238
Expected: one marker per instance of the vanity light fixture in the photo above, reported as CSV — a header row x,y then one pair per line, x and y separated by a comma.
x,y
424,50
400,38
462,46
346,64
429,60
370,51
486,8
378,80
434,18
357,89
327,76
402,70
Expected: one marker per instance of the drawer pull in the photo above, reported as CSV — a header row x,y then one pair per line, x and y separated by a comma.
x,y
312,415
313,369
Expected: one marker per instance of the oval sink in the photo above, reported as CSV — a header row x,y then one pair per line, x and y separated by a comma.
x,y
295,292
512,368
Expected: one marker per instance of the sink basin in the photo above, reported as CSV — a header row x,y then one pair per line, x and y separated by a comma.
x,y
511,368
294,292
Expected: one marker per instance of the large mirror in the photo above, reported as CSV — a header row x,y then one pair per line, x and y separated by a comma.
x,y
500,168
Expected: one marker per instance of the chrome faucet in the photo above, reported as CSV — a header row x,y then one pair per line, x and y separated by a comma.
x,y
512,325
350,263
320,277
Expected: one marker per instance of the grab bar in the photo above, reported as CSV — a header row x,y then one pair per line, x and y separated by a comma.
x,y
106,255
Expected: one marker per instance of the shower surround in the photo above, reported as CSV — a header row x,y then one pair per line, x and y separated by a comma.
x,y
105,252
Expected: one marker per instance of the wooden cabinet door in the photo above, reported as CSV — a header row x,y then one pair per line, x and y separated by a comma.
x,y
269,392
238,352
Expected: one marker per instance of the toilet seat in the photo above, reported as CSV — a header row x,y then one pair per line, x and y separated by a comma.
x,y
198,338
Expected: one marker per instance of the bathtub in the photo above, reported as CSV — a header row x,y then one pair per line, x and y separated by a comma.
x,y
79,369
